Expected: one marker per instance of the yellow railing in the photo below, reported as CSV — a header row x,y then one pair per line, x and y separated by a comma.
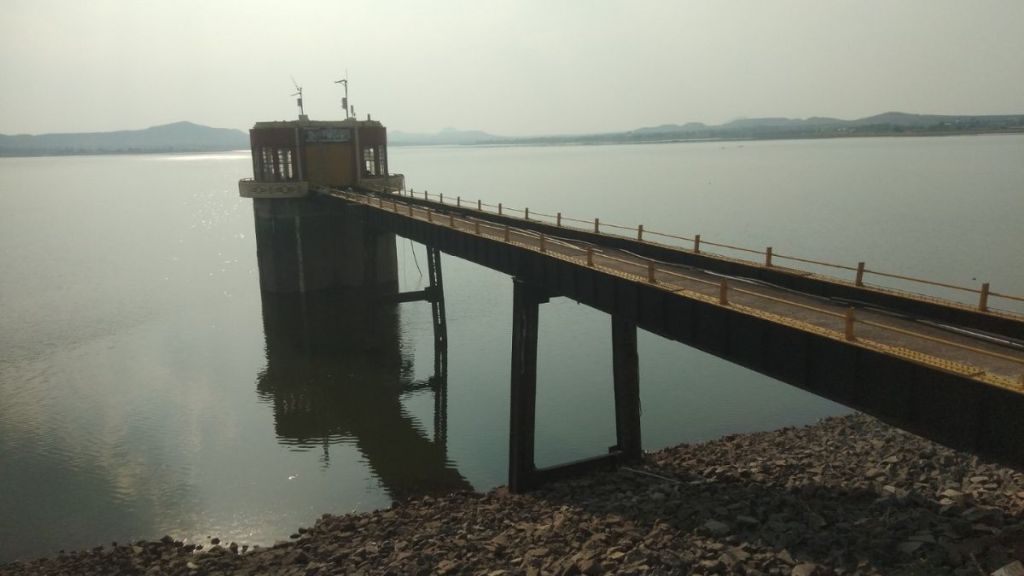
x,y
767,257
719,292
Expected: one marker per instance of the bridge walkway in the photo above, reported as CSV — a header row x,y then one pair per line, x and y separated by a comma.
x,y
994,360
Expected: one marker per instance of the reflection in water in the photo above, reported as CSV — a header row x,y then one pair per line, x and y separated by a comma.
x,y
336,373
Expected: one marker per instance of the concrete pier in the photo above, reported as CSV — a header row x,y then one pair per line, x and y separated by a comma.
x,y
526,301
626,370
312,244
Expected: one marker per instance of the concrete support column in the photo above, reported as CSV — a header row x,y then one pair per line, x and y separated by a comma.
x,y
526,301
626,370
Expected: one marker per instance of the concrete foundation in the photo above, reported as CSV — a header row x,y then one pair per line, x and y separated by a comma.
x,y
313,244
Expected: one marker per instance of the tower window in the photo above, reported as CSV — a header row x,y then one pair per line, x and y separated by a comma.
x,y
276,164
370,162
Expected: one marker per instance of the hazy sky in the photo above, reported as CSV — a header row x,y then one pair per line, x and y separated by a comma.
x,y
507,67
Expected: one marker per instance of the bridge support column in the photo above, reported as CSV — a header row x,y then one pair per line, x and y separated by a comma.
x,y
437,310
526,301
440,322
626,370
523,473
434,294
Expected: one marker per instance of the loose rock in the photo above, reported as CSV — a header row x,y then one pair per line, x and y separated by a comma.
x,y
846,496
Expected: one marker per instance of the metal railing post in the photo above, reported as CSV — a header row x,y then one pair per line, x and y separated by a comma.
x,y
597,225
558,220
458,201
640,233
983,298
768,257
696,244
526,213
440,197
479,205
860,274
499,208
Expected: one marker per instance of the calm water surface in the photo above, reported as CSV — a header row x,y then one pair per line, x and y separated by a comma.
x,y
147,388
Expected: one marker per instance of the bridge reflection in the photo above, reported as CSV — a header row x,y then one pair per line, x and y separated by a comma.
x,y
336,372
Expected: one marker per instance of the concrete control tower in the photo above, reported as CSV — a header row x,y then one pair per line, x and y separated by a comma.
x,y
306,242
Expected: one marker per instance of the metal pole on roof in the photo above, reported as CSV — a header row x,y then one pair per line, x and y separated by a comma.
x,y
344,99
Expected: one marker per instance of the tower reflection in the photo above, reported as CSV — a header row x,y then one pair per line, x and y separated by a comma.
x,y
336,373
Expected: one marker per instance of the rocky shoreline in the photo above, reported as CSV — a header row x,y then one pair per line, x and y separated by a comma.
x,y
848,495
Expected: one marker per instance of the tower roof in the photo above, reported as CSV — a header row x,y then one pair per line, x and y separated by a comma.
x,y
347,123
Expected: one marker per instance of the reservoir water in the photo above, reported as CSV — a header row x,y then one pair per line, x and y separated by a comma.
x,y
146,387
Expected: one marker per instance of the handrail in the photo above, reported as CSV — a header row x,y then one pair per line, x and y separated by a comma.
x,y
603,224
933,283
577,220
737,248
815,262
860,270
1007,296
699,245
665,235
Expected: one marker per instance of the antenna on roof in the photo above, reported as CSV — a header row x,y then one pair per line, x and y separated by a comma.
x,y
298,92
344,99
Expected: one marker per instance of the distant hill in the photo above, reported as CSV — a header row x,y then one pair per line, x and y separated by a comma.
x,y
446,136
745,123
888,124
176,137
189,137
